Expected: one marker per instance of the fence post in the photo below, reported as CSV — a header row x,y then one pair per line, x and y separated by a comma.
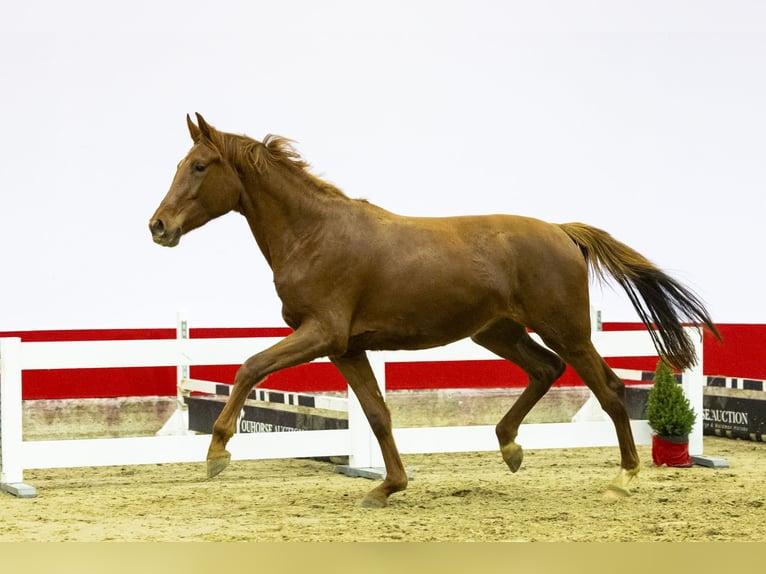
x,y
591,410
11,420
178,423
364,452
693,384
182,371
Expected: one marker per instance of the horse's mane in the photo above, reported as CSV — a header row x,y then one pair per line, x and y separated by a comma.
x,y
246,153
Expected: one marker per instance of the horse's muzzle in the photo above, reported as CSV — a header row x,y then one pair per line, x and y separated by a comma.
x,y
164,236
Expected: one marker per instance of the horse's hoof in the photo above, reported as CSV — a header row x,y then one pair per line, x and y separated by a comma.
x,y
375,499
618,488
371,502
513,455
217,464
614,492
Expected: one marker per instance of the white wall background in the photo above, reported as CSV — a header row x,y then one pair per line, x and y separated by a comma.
x,y
645,118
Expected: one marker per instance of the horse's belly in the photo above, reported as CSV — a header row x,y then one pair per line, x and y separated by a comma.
x,y
381,341
420,327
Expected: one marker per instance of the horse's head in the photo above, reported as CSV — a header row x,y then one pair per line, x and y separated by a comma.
x,y
205,186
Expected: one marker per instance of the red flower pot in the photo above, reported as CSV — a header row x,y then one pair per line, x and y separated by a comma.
x,y
671,451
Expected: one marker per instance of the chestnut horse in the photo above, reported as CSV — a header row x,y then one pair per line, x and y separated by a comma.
x,y
354,277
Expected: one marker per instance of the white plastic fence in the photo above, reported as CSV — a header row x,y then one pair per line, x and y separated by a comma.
x,y
358,442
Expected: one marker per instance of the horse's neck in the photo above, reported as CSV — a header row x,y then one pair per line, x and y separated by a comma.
x,y
281,209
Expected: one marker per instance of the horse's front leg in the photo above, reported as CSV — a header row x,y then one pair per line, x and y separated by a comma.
x,y
302,346
358,373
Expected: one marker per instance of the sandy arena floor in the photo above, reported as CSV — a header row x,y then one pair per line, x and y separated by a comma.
x,y
556,496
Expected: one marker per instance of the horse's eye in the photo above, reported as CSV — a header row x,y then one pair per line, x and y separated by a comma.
x,y
199,167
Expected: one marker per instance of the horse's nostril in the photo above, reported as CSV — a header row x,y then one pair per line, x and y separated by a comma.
x,y
157,227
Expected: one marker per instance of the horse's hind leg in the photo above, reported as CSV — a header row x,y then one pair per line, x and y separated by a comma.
x,y
511,341
610,392
357,372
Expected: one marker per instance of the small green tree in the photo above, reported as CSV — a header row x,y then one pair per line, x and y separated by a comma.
x,y
667,408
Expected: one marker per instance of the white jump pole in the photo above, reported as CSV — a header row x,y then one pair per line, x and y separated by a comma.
x,y
11,420
693,384
365,458
178,423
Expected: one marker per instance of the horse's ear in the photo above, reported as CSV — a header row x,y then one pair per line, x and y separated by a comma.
x,y
204,127
194,131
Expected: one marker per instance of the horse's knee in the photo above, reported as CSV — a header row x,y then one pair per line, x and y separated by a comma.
x,y
247,374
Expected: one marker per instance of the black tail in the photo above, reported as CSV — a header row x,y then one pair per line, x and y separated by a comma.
x,y
662,303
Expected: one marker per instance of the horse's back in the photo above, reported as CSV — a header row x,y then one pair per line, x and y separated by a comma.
x,y
514,246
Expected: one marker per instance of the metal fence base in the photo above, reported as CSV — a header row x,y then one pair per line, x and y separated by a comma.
x,y
19,489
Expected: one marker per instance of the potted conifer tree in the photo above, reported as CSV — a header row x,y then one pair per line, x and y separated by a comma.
x,y
671,417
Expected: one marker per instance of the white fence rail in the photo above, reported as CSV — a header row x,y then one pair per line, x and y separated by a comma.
x,y
358,442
